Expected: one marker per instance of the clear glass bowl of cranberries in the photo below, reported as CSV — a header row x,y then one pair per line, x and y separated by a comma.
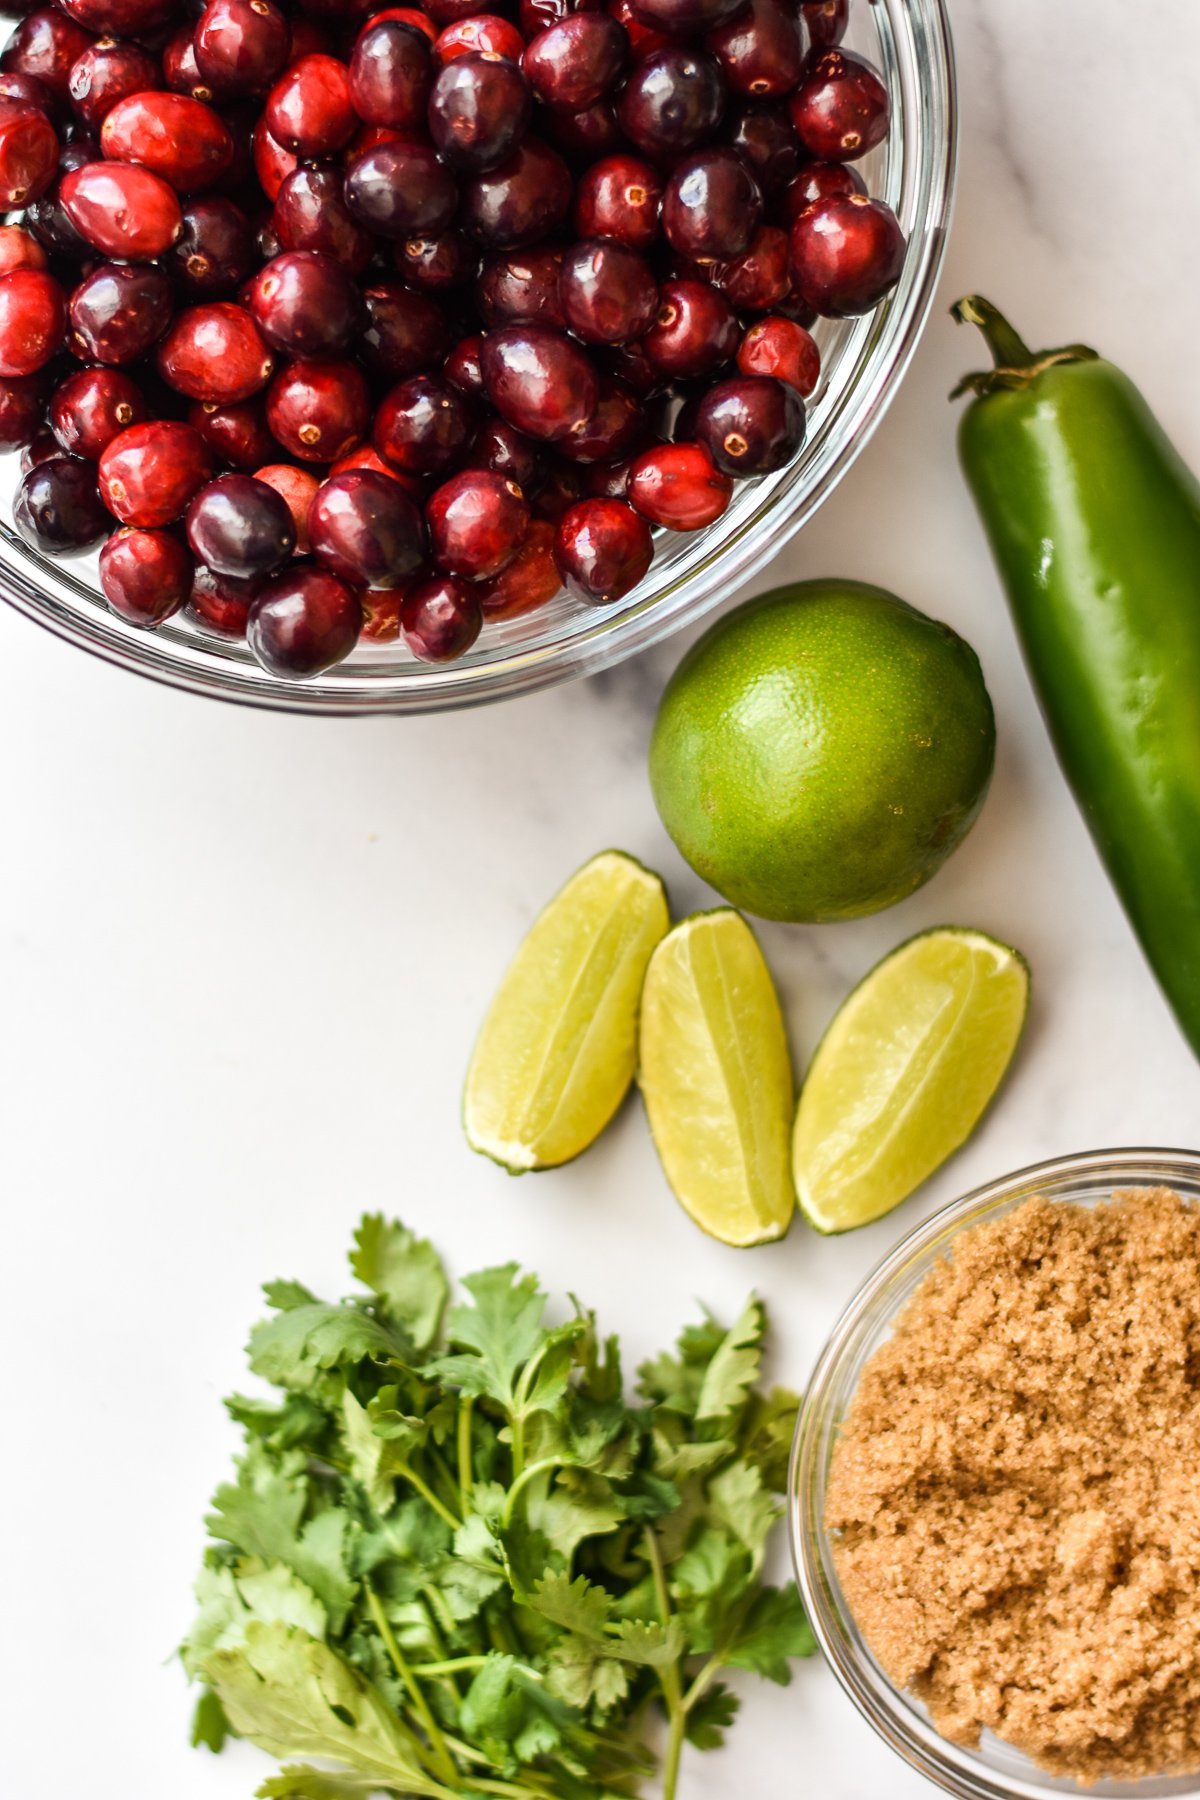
x,y
358,357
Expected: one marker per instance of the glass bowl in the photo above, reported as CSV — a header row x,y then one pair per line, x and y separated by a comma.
x,y
994,1770
864,359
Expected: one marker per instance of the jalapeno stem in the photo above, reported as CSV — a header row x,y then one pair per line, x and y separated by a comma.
x,y
1009,349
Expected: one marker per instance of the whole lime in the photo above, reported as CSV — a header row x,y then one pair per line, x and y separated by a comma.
x,y
821,750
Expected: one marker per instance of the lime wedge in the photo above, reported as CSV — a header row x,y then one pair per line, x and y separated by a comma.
x,y
558,1047
717,1079
904,1073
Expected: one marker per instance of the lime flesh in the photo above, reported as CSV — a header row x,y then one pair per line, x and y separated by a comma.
x,y
904,1073
716,1078
557,1050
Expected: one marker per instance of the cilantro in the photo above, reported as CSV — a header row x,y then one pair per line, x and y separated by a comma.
x,y
453,1559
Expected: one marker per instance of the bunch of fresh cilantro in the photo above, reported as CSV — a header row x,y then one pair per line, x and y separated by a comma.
x,y
453,1561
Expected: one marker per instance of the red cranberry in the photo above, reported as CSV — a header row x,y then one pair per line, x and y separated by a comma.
x,y
423,426
298,488
760,277
405,333
57,508
221,603
146,576
237,434
763,137
619,198
840,110
303,621
760,49
309,110
694,332
150,472
679,486
45,44
317,410
240,527
524,198
520,287
478,110
42,447
711,206
507,452
180,71
750,424
826,20
106,73
617,426
19,250
33,319
437,263
486,31
28,153
311,214
122,210
214,252
390,75
125,18
118,311
241,46
401,190
573,63
364,528
685,17
440,619
672,101
90,407
214,352
846,254
406,15
463,367
781,347
272,163
529,581
304,304
603,549
820,181
365,456
539,381
477,521
608,293
176,137
22,399
644,39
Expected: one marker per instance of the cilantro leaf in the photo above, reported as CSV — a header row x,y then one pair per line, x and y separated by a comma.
x,y
774,1629
299,1782
296,1347
738,1501
734,1367
261,1514
210,1727
575,1605
406,1273
710,1717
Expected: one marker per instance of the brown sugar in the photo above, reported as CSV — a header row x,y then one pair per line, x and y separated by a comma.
x,y
1016,1488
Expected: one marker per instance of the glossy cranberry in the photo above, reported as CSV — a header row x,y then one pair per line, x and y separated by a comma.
x,y
29,90
619,197
477,522
106,73
587,135
672,101
761,133
539,381
523,199
423,425
760,49
603,549
840,110
405,332
507,452
121,210
485,31
120,18
215,251
298,489
45,44
440,619
22,401
272,163
478,110
403,15
560,489
437,263
535,15
180,70
28,153
573,63
826,20
222,604
518,287
42,447
19,250
760,277
617,426
57,508
391,72
685,17
463,367
91,407
237,435
631,366
607,291
401,190
303,621
178,138
784,349
214,352
146,576
149,473
309,110
846,254
820,181
750,424
679,486
304,304
118,311
711,206
241,46
311,214
529,581
33,320
364,528
644,39
240,527
694,331
317,410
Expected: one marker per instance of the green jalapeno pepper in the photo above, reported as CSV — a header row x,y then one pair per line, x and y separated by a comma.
x,y
1094,521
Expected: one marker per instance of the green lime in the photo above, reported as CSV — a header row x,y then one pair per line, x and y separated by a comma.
x,y
821,750
716,1077
905,1072
557,1050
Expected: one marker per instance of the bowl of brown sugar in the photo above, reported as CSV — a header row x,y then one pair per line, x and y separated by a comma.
x,y
995,1487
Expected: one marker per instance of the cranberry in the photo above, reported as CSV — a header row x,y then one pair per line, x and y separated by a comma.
x,y
317,410
826,20
298,488
364,528
672,101
28,153
272,163
57,508
423,425
309,110
750,424
222,603
529,581
214,352
406,15
840,110
486,31
763,137
440,619
176,137
437,263
126,18
711,206
241,46
19,250
608,293
33,319
180,71
46,44
588,134
507,452
518,287
311,214
760,49
215,251
820,181
694,332
478,110
42,447
685,17
237,434
619,198
477,521
90,407
150,472
759,278
122,210
365,456
305,304
539,381
401,190
463,367
781,347
240,527
524,198
603,549
22,399
644,39
679,486
846,254
631,366
617,426
405,333
118,311
146,576
303,621
560,489
573,63
390,75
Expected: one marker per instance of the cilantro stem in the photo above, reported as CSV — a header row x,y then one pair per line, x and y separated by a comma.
x,y
711,1668
444,1762
527,1475
466,1473
518,1444
668,1678
462,1664
409,1474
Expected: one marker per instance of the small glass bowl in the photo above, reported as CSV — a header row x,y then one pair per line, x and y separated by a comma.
x,y
863,361
994,1770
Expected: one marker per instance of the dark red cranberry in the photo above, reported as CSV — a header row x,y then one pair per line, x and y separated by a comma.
x,y
644,39
33,320
405,332
146,576
237,435
685,17
122,210
57,508
45,44
603,549
309,110
780,347
631,366
763,137
125,18
826,20
298,489
694,331
607,291
477,522
820,181
390,75
760,49
317,410
440,619
587,135
118,311
403,15
365,456
215,251
539,381
178,138
573,63
617,426
524,198
240,527
108,72
28,153
423,425
529,581
711,206
608,481
29,90
560,488
485,31
521,287
221,603
437,263
478,111
364,528
463,367
840,110
90,407
311,214
619,197
679,486
22,401
305,304
672,101
846,254
214,352
180,70
241,46
303,621
750,424
507,452
401,190
19,250
149,473
535,15
760,277
42,447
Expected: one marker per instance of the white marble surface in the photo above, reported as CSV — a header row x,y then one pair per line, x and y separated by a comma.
x,y
242,958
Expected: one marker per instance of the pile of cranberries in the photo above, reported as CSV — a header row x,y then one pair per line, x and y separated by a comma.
x,y
366,321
